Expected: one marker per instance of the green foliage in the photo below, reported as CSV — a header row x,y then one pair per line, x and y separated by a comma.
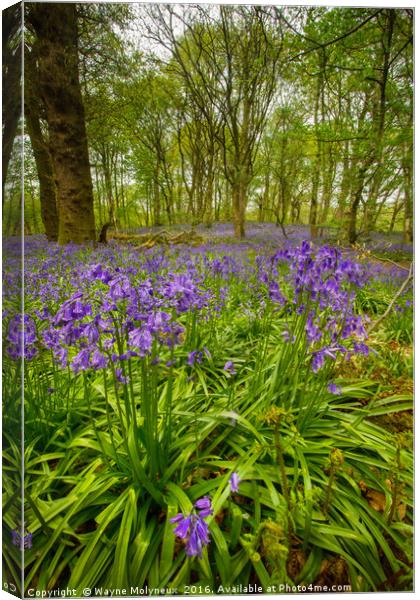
x,y
108,466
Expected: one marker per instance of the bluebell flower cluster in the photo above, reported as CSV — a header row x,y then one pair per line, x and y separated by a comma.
x,y
193,529
22,337
99,308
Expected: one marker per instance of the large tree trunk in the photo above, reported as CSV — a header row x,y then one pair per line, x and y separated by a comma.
x,y
55,26
11,73
47,189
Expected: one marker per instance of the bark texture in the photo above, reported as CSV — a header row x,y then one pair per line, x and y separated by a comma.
x,y
55,26
11,74
47,189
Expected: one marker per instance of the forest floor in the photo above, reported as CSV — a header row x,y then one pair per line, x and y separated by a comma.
x,y
262,388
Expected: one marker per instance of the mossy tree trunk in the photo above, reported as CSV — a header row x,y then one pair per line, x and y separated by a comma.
x,y
55,27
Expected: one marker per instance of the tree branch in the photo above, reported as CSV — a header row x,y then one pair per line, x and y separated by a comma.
x,y
394,299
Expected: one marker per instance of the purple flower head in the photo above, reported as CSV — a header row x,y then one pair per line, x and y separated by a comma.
x,y
22,326
81,362
335,389
98,360
313,332
183,525
229,368
193,529
204,506
287,337
91,332
119,288
120,377
22,337
234,481
198,536
141,339
195,357
361,348
17,540
15,537
275,293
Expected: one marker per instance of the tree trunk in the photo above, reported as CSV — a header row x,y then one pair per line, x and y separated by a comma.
x,y
354,206
379,118
156,197
328,177
238,208
396,209
344,185
55,26
47,189
208,202
313,210
11,74
408,198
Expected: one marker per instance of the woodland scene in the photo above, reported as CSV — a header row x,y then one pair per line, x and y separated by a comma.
x,y
207,298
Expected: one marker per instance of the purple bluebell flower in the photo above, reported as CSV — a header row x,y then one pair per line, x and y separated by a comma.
x,y
313,332
90,331
98,360
234,481
361,348
199,535
335,389
81,362
195,357
119,288
229,368
275,293
22,337
287,337
193,529
17,540
120,377
204,506
183,525
141,339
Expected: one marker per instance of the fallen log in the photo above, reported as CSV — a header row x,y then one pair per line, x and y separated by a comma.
x,y
184,237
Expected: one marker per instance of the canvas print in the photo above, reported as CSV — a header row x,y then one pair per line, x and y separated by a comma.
x,y
207,299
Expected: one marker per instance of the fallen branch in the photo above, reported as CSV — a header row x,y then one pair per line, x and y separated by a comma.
x,y
164,237
394,299
390,261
